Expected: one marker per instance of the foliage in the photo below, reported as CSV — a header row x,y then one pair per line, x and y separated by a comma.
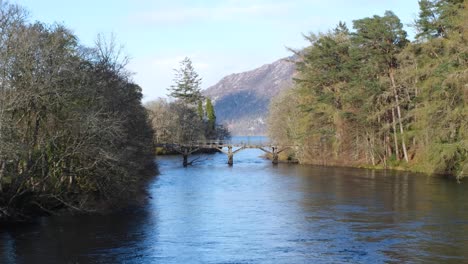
x,y
371,98
185,120
438,18
177,122
210,113
200,111
181,121
187,83
73,133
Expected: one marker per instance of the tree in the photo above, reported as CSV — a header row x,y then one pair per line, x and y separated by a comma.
x,y
187,83
437,18
175,122
73,132
364,89
201,112
322,88
379,40
178,122
441,77
288,124
185,120
163,120
210,113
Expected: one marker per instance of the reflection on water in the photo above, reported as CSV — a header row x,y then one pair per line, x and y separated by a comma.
x,y
255,212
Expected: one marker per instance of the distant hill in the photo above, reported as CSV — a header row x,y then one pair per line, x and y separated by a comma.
x,y
241,100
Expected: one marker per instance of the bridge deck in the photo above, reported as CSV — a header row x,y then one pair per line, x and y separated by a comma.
x,y
221,144
232,148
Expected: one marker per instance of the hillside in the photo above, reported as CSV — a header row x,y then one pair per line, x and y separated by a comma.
x,y
241,100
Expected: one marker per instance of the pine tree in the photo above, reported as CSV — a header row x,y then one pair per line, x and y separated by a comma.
x,y
379,41
187,83
355,93
210,113
200,111
437,18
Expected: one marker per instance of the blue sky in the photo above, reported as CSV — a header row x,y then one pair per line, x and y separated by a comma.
x,y
221,37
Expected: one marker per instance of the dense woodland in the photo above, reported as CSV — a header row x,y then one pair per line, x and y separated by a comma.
x,y
189,117
370,97
73,132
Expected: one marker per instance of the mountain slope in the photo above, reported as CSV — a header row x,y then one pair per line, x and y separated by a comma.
x,y
241,100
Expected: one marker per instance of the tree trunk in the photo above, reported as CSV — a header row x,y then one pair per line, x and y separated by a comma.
x,y
230,156
185,156
395,138
388,145
397,103
2,171
370,150
275,155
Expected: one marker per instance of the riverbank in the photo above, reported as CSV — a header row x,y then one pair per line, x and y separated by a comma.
x,y
34,205
400,167
281,159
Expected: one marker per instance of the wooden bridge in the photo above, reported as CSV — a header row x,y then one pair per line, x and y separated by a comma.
x,y
227,147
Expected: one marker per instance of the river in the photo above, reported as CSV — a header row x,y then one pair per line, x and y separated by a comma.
x,y
255,212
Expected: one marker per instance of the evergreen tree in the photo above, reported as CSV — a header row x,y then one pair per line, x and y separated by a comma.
x,y
187,83
378,42
357,92
322,82
437,18
200,111
427,24
210,113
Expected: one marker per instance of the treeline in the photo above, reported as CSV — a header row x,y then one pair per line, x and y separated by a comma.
x,y
73,132
370,97
188,118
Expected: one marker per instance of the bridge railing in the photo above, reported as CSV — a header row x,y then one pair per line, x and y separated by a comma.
x,y
237,141
224,143
246,142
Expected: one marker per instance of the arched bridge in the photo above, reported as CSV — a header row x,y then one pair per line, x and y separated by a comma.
x,y
227,147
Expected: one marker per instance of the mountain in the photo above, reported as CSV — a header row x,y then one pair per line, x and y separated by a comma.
x,y
241,100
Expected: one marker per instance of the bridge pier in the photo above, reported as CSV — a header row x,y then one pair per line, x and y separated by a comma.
x,y
274,155
230,156
185,155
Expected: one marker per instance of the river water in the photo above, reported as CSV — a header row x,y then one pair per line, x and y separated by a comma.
x,y
255,212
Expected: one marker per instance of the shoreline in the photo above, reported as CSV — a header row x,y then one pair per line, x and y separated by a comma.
x,y
96,207
378,168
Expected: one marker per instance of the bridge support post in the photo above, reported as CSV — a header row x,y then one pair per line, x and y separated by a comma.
x,y
230,156
185,155
275,155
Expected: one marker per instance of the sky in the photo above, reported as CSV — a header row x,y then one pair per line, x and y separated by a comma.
x,y
220,37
